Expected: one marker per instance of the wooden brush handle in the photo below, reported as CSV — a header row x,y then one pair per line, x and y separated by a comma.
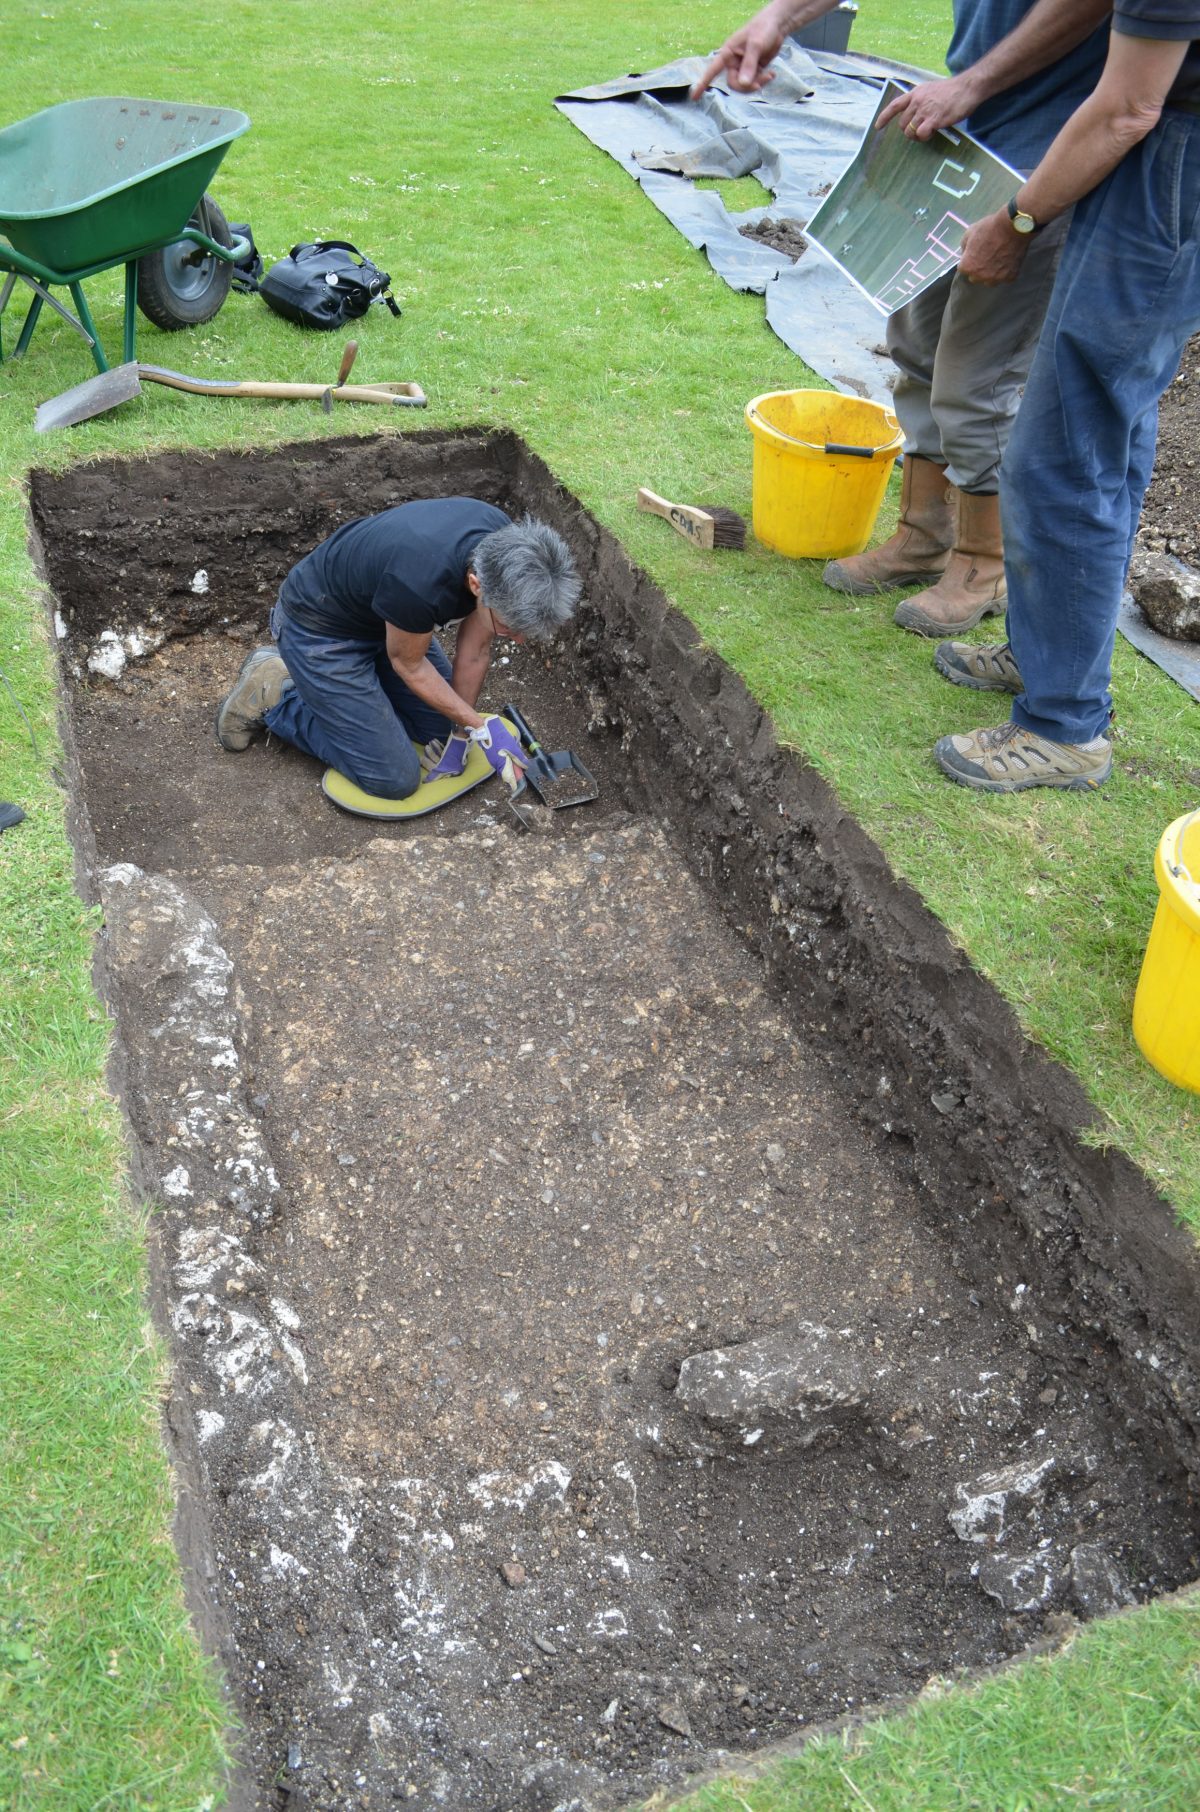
x,y
694,525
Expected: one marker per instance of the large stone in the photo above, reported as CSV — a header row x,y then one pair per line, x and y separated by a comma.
x,y
165,960
988,1506
1169,594
1019,1582
1098,1585
805,1381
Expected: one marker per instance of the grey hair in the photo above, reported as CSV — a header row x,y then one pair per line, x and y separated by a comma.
x,y
527,576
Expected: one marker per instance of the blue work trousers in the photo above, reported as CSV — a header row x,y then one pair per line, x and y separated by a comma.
x,y
1126,301
349,707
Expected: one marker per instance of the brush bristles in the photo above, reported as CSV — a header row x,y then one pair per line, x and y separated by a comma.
x,y
729,529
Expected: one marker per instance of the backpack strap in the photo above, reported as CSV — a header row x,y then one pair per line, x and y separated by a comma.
x,y
329,245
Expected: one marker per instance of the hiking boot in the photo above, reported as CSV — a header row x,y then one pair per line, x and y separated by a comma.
x,y
920,547
985,666
1009,759
972,586
257,688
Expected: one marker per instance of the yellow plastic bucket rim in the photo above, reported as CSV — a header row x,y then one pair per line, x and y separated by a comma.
x,y
1173,872
887,450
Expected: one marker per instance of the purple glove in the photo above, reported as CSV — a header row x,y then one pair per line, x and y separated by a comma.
x,y
503,748
453,758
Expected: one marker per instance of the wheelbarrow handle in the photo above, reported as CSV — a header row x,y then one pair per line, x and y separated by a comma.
x,y
229,253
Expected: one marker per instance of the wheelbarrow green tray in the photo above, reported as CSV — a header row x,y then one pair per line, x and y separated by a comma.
x,y
90,184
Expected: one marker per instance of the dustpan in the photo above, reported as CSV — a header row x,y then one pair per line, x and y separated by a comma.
x,y
559,779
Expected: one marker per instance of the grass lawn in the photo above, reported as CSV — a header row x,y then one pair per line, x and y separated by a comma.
x,y
543,292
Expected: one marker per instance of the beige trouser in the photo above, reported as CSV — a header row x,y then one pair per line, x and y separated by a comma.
x,y
963,351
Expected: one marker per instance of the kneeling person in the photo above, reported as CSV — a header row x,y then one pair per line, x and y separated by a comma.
x,y
360,676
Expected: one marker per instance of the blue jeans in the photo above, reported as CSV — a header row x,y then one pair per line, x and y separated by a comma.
x,y
1126,302
349,707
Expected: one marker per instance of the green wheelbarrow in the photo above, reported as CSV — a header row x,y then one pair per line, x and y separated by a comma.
x,y
88,185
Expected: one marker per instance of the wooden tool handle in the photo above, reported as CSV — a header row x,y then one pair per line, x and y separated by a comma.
x,y
380,393
344,393
348,358
694,525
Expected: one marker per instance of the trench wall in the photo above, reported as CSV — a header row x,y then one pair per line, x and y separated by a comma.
x,y
930,1052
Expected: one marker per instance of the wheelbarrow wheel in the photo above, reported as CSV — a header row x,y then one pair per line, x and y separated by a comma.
x,y
183,285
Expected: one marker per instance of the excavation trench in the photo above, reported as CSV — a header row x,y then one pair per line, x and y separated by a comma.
x,y
634,1296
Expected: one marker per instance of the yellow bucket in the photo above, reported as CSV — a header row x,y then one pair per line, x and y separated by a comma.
x,y
1166,1008
821,466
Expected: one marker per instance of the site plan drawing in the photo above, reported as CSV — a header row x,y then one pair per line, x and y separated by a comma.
x,y
896,218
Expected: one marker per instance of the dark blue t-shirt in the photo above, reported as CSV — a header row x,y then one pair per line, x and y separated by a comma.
x,y
1019,123
406,566
1167,19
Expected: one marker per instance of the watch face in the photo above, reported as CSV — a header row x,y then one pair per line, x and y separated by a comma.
x,y
1024,223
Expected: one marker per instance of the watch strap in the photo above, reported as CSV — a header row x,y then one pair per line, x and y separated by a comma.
x,y
1013,211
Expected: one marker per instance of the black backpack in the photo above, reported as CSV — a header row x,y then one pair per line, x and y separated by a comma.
x,y
325,285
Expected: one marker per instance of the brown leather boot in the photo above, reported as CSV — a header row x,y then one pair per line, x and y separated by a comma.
x,y
972,586
921,545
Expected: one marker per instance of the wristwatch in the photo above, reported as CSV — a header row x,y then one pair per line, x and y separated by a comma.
x,y
1022,222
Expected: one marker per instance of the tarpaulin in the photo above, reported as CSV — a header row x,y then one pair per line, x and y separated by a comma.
x,y
796,138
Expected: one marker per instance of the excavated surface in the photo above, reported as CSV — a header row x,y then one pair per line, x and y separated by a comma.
x,y
598,1350
1171,517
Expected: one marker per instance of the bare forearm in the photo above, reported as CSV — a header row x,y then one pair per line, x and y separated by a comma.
x,y
744,56
1048,31
423,678
1125,106
1090,145
470,671
794,14
779,17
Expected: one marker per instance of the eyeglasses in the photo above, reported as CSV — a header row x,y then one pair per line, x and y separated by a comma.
x,y
501,629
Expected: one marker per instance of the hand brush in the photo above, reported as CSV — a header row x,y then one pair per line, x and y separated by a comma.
x,y
712,527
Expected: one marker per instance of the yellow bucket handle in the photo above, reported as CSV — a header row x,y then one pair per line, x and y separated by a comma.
x,y
836,449
1178,869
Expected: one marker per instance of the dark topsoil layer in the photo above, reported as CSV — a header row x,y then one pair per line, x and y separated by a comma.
x,y
473,1143
1171,517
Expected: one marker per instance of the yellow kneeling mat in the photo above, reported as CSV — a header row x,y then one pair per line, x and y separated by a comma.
x,y
428,797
